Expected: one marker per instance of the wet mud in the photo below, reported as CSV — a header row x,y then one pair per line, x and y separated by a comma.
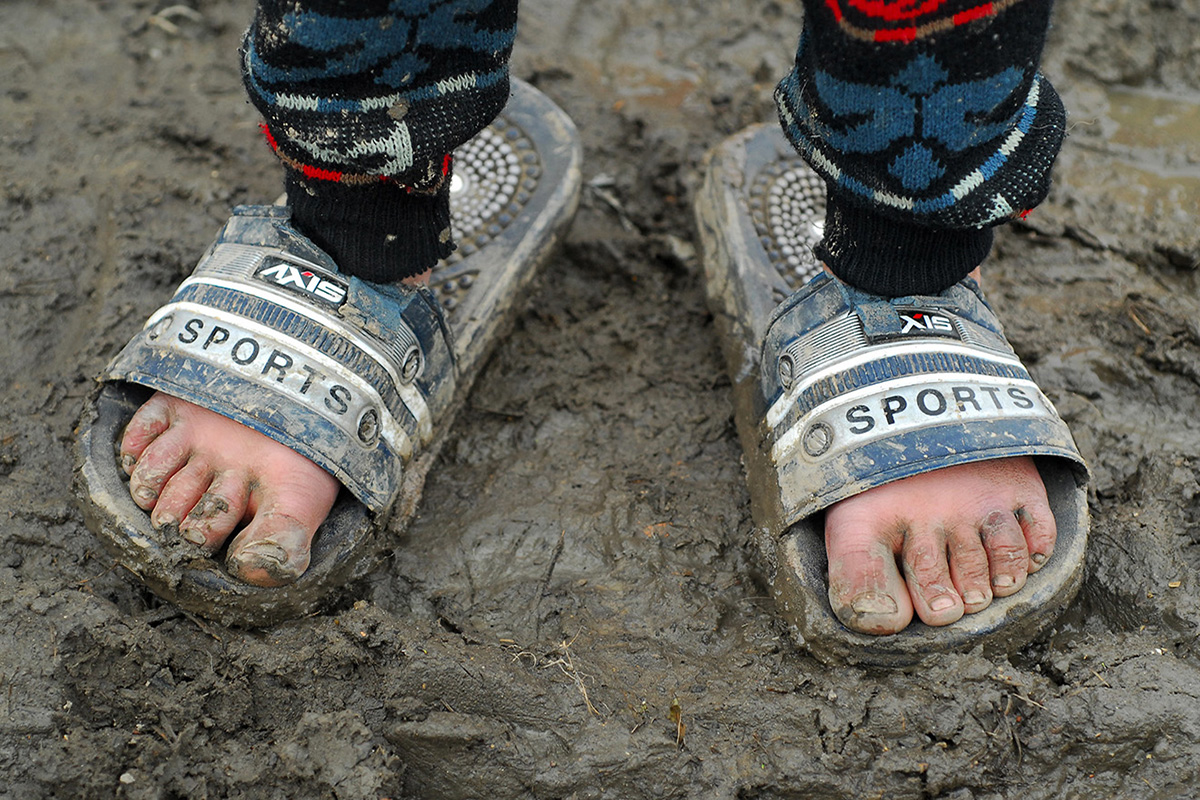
x,y
575,612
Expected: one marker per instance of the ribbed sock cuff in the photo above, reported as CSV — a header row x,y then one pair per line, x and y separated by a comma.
x,y
895,259
381,232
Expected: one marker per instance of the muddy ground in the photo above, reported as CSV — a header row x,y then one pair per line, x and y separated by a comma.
x,y
574,614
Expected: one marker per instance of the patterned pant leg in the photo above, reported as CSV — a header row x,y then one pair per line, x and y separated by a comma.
x,y
929,122
364,100
356,91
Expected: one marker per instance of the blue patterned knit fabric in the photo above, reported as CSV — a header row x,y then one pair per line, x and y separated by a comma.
x,y
928,119
930,123
359,90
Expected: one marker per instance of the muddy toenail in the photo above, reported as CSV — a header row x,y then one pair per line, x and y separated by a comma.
x,y
166,522
974,598
941,603
128,462
145,494
870,603
1038,558
1004,581
264,550
194,536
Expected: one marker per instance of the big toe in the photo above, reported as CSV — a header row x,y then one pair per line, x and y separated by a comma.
x,y
273,550
866,590
870,611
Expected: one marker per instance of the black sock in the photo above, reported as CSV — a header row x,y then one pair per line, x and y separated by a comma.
x,y
379,232
892,258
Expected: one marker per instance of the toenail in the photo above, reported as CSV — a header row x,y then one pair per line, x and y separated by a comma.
x,y
870,603
941,603
128,462
1004,581
1038,558
145,494
194,536
263,550
166,522
974,598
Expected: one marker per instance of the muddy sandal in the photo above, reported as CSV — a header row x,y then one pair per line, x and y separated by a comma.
x,y
361,378
838,391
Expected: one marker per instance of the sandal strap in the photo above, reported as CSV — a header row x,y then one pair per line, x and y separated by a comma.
x,y
856,384
267,332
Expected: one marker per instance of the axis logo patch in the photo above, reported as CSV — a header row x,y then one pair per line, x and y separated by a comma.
x,y
303,280
916,322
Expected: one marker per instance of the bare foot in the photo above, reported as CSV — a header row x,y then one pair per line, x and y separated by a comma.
x,y
943,544
203,475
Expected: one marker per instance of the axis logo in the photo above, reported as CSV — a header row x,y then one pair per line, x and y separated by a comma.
x,y
301,280
924,323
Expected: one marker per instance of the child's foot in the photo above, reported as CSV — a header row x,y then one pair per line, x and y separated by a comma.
x,y
889,442
203,475
357,381
943,543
